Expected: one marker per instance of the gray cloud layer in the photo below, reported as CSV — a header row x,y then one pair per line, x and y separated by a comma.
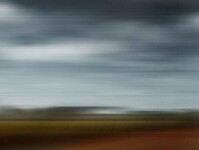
x,y
94,52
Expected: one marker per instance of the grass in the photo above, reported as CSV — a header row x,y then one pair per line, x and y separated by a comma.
x,y
17,128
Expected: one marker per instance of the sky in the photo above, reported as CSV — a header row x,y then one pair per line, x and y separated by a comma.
x,y
142,54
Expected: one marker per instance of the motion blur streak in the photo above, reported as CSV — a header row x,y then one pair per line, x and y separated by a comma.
x,y
75,69
95,53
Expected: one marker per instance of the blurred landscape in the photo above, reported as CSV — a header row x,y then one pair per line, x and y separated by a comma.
x,y
99,74
47,127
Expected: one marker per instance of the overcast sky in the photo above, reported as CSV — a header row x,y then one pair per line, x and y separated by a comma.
x,y
132,53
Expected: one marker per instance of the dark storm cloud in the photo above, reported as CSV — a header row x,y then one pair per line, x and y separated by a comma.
x,y
158,43
149,10
134,24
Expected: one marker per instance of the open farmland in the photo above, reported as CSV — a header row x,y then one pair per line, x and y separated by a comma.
x,y
18,128
41,128
171,139
97,135
24,133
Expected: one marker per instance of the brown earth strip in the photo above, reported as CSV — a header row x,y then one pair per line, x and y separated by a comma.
x,y
187,139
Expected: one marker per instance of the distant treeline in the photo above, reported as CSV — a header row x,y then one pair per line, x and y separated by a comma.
x,y
84,113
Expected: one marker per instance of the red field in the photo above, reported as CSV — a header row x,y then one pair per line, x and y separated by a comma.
x,y
182,139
